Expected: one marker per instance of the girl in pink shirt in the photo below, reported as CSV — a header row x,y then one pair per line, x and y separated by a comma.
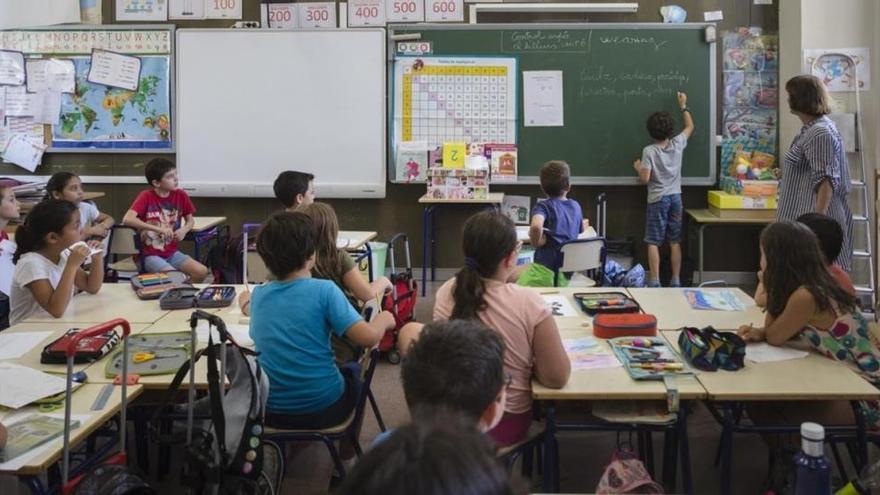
x,y
480,290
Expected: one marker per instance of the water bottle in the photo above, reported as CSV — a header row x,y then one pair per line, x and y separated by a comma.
x,y
812,469
868,480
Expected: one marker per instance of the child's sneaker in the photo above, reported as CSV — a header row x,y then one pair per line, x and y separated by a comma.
x,y
653,284
675,282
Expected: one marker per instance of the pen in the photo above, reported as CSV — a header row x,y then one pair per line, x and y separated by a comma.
x,y
549,293
639,349
659,366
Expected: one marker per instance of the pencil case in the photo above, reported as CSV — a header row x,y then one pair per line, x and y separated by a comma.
x,y
609,326
87,350
148,286
606,303
188,297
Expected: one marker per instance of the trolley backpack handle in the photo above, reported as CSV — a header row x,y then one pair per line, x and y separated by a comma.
x,y
70,352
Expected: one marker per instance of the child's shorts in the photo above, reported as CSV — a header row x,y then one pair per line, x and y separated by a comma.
x,y
663,220
155,264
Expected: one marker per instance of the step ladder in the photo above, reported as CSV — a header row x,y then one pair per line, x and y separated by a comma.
x,y
863,267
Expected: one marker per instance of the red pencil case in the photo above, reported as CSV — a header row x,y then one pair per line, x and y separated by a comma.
x,y
608,326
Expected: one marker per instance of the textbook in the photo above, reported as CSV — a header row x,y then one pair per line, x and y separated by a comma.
x,y
503,162
31,432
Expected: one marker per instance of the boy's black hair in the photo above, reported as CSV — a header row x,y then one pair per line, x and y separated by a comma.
x,y
285,242
57,183
456,365
440,457
555,178
46,217
157,168
660,125
289,184
828,231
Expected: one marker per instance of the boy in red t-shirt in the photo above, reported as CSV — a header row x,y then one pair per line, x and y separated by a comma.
x,y
164,215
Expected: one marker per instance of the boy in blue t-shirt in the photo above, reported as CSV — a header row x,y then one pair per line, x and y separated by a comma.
x,y
660,169
292,318
555,221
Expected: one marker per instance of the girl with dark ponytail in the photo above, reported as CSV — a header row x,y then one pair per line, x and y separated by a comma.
x,y
480,291
48,261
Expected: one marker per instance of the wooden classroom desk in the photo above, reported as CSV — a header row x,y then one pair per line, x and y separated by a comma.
x,y
354,239
429,227
202,224
704,218
31,358
112,301
82,398
811,378
607,384
672,310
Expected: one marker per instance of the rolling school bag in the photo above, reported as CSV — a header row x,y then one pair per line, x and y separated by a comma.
x,y
401,301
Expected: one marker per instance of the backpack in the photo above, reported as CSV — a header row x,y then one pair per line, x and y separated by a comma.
x,y
227,453
626,474
225,259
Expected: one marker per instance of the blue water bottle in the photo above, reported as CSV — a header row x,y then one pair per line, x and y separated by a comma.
x,y
812,469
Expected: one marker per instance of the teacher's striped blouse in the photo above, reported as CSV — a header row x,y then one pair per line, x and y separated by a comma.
x,y
817,154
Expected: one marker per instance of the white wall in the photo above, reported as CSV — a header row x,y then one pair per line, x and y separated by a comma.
x,y
806,24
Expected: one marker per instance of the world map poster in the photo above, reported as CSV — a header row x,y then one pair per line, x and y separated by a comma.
x,y
95,116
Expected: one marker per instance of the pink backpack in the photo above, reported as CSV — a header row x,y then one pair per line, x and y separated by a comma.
x,y
626,474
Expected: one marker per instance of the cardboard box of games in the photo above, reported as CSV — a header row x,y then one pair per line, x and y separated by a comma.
x,y
463,174
458,183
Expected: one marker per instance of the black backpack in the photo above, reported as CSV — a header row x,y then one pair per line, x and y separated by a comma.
x,y
225,259
228,453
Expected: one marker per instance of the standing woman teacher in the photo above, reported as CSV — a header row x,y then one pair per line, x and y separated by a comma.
x,y
815,174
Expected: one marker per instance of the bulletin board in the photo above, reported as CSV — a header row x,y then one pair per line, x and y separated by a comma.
x,y
95,117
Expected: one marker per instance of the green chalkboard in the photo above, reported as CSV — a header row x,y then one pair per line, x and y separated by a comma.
x,y
614,76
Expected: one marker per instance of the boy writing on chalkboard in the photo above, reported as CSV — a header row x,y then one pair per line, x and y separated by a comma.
x,y
294,189
660,169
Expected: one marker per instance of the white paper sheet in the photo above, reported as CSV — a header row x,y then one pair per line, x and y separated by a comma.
x,y
14,345
7,269
49,106
25,126
51,75
141,10
559,305
23,152
115,70
20,385
238,332
30,13
542,98
11,67
186,9
762,352
20,103
16,463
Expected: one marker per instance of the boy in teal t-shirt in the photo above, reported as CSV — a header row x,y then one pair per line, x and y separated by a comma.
x,y
292,318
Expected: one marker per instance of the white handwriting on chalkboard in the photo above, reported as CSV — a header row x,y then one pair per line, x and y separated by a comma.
x,y
540,41
598,82
633,40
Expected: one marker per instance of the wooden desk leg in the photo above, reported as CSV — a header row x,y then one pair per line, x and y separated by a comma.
x,y
701,227
551,450
427,214
369,252
726,448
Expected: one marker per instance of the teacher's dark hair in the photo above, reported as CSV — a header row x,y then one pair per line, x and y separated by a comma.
x,y
807,95
794,260
488,238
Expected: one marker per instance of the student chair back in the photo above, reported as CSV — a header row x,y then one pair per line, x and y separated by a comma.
x,y
582,255
348,429
254,270
123,252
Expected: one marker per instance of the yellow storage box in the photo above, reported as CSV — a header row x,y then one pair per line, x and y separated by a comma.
x,y
724,201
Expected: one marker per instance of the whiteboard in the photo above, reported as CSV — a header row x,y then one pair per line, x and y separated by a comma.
x,y
252,103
